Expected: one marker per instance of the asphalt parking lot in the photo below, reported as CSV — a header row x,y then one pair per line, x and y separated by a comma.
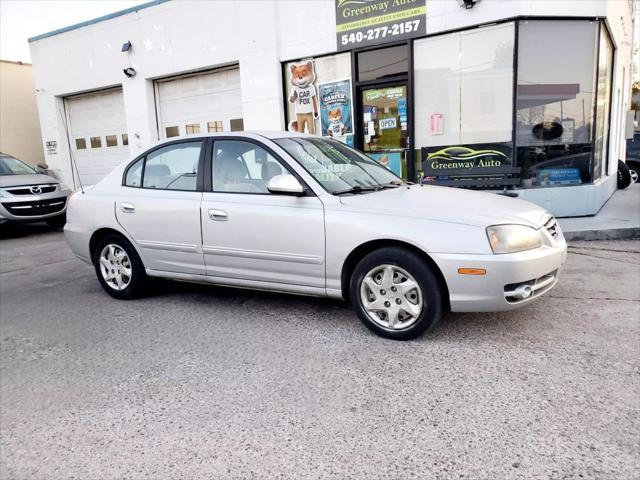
x,y
205,382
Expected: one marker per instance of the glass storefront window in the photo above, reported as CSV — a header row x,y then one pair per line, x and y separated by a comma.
x,y
603,104
464,100
303,79
555,95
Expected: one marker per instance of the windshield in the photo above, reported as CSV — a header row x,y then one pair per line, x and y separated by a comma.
x,y
13,166
337,167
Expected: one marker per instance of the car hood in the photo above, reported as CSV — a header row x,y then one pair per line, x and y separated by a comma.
x,y
448,204
33,179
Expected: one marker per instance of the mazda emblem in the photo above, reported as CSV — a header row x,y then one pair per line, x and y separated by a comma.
x,y
36,189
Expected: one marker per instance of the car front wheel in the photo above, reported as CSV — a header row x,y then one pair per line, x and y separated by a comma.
x,y
118,267
395,293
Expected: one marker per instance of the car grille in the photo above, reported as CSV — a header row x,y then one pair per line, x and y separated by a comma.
x,y
552,227
32,209
26,189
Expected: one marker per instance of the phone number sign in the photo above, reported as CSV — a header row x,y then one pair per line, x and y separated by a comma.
x,y
373,22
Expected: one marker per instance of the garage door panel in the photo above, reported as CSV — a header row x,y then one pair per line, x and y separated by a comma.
x,y
97,116
199,99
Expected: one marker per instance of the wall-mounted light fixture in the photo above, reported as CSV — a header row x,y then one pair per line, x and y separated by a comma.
x,y
128,70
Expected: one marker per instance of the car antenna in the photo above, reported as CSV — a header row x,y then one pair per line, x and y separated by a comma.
x,y
73,160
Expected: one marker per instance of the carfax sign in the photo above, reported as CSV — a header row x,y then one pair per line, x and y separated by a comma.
x,y
372,22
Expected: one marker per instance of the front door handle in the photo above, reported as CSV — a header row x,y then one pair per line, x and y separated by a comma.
x,y
219,215
127,207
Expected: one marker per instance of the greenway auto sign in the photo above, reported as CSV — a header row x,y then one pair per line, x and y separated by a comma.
x,y
474,158
372,22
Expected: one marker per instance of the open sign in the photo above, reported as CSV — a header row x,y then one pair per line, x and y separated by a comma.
x,y
387,123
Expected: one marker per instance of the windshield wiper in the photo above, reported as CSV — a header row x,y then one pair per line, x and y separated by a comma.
x,y
358,189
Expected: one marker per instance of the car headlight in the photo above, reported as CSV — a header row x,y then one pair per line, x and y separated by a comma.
x,y
63,187
513,238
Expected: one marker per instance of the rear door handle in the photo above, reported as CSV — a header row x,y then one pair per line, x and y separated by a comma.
x,y
219,215
127,207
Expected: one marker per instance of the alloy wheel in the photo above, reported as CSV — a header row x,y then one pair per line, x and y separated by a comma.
x,y
391,297
115,266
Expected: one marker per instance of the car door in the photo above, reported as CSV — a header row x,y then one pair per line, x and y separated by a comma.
x,y
160,207
251,234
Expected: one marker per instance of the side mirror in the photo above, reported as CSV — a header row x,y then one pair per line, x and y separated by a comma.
x,y
42,167
287,184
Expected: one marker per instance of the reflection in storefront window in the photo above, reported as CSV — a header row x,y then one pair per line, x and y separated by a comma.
x,y
464,104
603,104
555,95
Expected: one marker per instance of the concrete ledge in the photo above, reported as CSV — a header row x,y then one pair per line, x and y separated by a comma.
x,y
619,219
609,234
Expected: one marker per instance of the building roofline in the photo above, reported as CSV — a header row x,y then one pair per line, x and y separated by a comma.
x,y
97,20
16,62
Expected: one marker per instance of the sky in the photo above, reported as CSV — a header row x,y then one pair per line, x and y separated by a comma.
x,y
22,19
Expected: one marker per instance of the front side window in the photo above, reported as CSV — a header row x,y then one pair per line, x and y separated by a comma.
x,y
174,167
243,167
335,166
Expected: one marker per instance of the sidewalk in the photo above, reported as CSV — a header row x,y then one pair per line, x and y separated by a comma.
x,y
618,219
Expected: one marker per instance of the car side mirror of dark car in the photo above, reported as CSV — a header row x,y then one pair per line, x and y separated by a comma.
x,y
285,184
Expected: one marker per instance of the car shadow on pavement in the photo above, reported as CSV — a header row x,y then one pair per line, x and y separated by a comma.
x,y
18,230
451,325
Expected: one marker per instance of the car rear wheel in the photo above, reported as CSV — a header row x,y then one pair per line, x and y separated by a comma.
x,y
395,293
118,267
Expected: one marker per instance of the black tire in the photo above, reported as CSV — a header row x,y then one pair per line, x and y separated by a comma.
x,y
57,222
138,279
624,176
414,265
634,171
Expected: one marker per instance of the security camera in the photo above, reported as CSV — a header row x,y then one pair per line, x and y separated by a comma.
x,y
129,72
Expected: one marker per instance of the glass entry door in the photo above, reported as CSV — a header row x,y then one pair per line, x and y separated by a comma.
x,y
385,126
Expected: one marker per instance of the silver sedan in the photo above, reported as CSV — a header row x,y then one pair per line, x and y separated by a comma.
x,y
308,215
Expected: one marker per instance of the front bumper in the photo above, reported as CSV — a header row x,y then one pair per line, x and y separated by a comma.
x,y
507,277
33,208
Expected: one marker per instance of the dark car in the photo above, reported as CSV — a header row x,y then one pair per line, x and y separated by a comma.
x,y
633,156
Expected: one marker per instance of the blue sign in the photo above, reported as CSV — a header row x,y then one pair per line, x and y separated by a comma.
x,y
559,176
402,107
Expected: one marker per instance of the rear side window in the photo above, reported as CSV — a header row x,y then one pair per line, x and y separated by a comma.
x,y
174,167
134,174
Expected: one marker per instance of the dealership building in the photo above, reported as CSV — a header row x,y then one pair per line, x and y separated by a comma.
x,y
527,97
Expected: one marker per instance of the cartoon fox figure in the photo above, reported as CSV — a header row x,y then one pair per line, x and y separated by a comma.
x,y
304,96
336,127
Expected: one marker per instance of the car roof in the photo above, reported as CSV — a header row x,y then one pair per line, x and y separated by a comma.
x,y
269,134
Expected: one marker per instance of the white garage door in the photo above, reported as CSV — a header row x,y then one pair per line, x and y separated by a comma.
x,y
98,133
206,102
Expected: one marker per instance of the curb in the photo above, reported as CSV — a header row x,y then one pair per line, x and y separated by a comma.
x,y
608,234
